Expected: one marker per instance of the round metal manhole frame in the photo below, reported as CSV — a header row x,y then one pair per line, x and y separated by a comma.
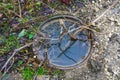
x,y
78,64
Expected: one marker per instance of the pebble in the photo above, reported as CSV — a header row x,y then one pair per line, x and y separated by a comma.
x,y
111,48
43,77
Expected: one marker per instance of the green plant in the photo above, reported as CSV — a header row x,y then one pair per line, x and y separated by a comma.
x,y
8,43
57,72
26,33
27,73
18,64
30,34
5,8
42,71
12,42
84,0
22,33
9,6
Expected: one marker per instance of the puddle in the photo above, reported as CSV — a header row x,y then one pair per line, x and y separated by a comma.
x,y
60,48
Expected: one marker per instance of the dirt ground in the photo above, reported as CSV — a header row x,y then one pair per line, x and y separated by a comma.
x,y
104,63
105,60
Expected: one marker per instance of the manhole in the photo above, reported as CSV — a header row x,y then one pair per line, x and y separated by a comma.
x,y
55,44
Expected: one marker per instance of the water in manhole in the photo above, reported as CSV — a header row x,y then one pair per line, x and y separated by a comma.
x,y
54,42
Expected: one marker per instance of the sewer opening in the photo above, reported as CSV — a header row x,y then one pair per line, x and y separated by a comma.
x,y
54,42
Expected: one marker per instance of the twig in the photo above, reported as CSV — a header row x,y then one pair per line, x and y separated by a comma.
x,y
13,12
48,6
93,22
65,28
58,12
15,51
10,66
37,72
20,11
76,12
7,69
4,6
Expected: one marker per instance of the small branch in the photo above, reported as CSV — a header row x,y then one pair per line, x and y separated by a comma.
x,y
14,12
50,7
93,22
65,28
7,69
76,12
20,11
9,66
34,78
15,51
105,12
4,5
47,5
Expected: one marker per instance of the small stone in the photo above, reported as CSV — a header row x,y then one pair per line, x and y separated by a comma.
x,y
118,23
30,64
93,2
96,9
95,66
112,19
34,56
110,70
112,23
43,77
118,39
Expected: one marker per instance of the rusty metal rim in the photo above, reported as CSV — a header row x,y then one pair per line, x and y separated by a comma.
x,y
64,16
78,64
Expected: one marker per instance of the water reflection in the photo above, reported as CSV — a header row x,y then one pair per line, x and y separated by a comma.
x,y
62,50
69,52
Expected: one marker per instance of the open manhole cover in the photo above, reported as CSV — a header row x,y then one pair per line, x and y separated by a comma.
x,y
55,44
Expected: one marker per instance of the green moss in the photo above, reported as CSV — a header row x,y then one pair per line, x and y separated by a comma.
x,y
8,43
58,72
27,73
42,71
12,42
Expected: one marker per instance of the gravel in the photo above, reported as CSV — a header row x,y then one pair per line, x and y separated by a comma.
x,y
105,60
